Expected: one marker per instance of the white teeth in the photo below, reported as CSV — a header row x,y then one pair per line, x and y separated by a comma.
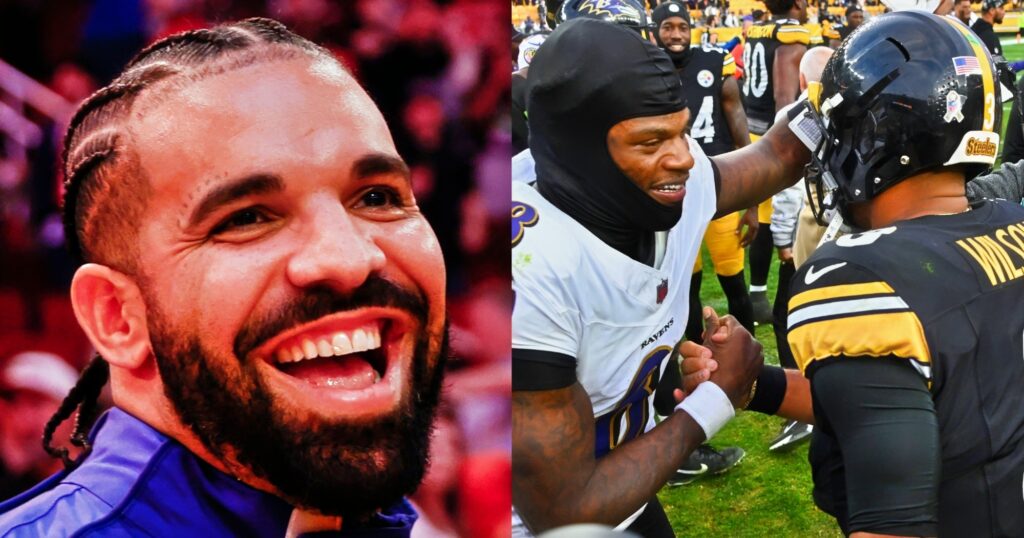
x,y
309,349
359,342
339,344
671,188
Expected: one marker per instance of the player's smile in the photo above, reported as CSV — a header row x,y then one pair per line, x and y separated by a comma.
x,y
669,192
675,43
350,363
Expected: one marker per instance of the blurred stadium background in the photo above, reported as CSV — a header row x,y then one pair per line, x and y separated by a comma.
x,y
436,68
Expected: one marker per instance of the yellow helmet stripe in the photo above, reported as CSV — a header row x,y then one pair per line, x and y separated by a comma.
x,y
987,81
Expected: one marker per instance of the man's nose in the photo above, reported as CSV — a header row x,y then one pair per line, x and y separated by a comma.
x,y
679,157
339,250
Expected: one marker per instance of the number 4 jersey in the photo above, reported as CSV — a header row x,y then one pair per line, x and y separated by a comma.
x,y
763,40
702,77
942,294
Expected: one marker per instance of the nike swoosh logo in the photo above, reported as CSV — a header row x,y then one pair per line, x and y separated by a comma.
x,y
703,469
812,276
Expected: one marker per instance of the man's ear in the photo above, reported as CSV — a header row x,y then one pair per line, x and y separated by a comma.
x,y
110,308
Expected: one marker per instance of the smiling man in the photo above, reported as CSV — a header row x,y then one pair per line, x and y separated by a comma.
x,y
264,294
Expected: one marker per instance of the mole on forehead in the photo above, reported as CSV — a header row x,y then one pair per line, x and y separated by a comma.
x,y
168,88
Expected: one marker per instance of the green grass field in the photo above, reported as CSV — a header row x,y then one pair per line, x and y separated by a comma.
x,y
767,495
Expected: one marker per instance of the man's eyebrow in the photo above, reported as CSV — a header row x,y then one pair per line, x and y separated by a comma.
x,y
376,164
259,183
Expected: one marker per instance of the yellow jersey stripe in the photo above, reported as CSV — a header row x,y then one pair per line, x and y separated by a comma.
x,y
728,66
844,308
838,292
874,335
790,34
987,81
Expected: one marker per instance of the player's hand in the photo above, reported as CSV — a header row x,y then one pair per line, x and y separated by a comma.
x,y
739,358
696,367
785,254
749,219
699,369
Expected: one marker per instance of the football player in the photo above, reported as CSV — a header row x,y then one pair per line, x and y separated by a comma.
x,y
910,333
771,63
992,13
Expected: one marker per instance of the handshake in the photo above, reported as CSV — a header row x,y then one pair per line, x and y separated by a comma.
x,y
730,358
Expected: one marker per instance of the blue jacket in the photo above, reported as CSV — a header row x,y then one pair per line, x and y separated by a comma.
x,y
138,482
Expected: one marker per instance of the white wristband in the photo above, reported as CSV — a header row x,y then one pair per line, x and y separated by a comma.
x,y
709,407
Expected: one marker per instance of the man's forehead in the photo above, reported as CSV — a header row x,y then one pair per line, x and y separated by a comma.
x,y
239,121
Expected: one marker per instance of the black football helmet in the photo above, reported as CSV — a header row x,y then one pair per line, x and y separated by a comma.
x,y
906,92
628,13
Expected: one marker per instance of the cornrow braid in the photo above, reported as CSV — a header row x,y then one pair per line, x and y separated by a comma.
x,y
84,394
105,188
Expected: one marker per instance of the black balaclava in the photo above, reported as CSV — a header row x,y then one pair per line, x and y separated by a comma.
x,y
589,76
662,12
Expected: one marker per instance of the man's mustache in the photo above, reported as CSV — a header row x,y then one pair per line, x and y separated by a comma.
x,y
321,301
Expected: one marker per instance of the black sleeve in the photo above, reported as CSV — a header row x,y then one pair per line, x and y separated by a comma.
x,y
520,130
541,370
883,418
1013,144
718,181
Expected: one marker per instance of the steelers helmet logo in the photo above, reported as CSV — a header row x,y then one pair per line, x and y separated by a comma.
x,y
673,8
705,78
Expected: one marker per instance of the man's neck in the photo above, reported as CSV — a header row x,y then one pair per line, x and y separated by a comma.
x,y
988,17
941,192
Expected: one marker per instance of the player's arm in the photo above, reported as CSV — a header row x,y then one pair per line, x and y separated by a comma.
x,y
780,391
735,117
786,72
556,479
751,174
736,120
868,360
883,417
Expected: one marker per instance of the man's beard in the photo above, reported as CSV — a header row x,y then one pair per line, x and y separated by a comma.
x,y
345,467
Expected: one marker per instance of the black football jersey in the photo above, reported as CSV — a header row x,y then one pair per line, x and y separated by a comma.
x,y
946,294
702,78
763,40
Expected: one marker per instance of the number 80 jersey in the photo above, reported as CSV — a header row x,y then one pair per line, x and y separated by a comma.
x,y
763,40
702,78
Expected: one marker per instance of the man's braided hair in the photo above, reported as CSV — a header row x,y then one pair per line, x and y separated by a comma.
x,y
105,190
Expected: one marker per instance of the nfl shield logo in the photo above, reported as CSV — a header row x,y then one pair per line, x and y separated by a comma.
x,y
662,291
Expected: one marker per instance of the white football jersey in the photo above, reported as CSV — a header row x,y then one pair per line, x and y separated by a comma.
x,y
620,319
